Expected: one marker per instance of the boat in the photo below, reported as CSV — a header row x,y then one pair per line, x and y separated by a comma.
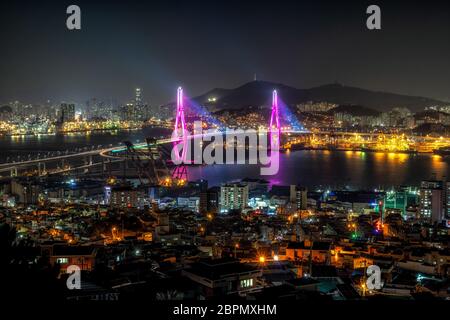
x,y
411,151
445,151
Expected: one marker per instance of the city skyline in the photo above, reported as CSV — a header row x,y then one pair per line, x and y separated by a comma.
x,y
144,100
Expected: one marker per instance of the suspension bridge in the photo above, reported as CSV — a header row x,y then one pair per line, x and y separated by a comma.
x,y
152,163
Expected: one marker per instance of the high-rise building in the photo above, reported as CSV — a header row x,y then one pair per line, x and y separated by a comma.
x,y
233,196
126,197
138,96
301,197
203,205
136,110
292,193
432,200
128,112
447,190
213,199
97,109
67,112
209,200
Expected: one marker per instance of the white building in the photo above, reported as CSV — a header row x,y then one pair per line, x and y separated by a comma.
x,y
233,196
432,201
191,203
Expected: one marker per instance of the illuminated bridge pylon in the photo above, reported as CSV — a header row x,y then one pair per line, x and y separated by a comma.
x,y
180,138
274,126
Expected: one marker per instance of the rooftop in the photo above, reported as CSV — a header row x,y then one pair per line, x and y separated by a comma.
x,y
59,250
214,269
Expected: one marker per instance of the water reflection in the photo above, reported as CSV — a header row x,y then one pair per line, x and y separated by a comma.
x,y
352,169
355,169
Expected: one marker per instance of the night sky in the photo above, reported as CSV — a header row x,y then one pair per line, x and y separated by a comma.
x,y
158,45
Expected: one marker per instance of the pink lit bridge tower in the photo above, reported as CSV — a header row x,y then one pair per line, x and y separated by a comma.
x,y
181,140
180,137
274,126
179,119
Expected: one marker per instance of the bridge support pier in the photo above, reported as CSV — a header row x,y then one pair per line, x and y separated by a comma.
x,y
88,160
41,169
125,165
103,168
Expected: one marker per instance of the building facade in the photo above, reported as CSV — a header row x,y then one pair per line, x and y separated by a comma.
x,y
432,201
233,197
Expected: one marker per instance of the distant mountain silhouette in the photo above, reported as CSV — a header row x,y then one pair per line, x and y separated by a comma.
x,y
355,110
5,109
258,93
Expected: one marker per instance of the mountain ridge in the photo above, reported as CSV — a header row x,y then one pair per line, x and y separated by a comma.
x,y
252,94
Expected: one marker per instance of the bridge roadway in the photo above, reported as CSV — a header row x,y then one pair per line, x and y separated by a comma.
x,y
109,152
105,152
11,165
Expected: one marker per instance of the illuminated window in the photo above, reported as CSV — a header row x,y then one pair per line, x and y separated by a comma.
x,y
62,260
246,283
